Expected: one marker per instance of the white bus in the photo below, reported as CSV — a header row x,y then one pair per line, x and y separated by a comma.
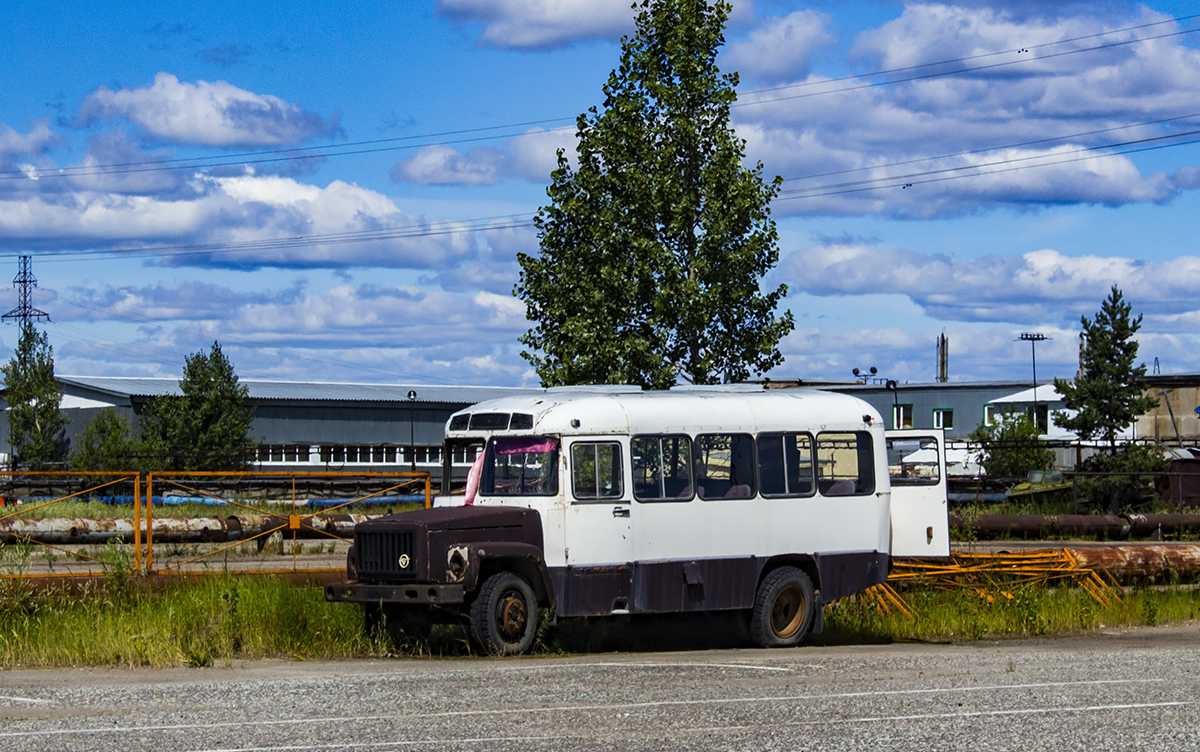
x,y
613,500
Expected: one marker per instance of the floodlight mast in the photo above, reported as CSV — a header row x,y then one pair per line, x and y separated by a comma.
x,y
1033,338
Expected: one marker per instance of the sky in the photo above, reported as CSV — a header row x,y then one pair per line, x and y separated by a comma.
x,y
340,194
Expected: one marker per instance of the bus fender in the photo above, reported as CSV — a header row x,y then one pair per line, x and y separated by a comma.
x,y
485,559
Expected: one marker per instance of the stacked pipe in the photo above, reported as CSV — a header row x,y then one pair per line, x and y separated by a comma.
x,y
63,531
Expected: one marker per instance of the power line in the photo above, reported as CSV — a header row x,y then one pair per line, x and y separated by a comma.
x,y
1017,145
974,69
398,143
909,183
982,56
1002,162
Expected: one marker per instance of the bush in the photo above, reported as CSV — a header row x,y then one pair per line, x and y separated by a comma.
x,y
1119,492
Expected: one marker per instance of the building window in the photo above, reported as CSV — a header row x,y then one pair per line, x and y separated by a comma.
x,y
989,415
902,416
943,418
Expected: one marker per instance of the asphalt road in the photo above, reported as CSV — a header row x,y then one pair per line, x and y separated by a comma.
x,y
1109,691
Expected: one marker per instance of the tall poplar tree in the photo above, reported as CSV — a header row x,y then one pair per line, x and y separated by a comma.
x,y
36,426
654,246
1109,394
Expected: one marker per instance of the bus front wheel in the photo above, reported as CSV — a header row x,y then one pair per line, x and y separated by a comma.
x,y
783,609
504,616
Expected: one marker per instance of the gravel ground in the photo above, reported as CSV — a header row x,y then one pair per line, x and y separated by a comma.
x,y
1134,689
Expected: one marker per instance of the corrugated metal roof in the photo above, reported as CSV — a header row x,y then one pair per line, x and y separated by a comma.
x,y
307,390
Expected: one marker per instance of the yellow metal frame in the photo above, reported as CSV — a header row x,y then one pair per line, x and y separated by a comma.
x,y
995,575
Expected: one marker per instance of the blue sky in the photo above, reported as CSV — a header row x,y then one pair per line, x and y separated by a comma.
x,y
159,162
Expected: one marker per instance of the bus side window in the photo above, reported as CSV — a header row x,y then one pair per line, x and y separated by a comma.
x,y
725,466
785,464
596,470
662,468
845,465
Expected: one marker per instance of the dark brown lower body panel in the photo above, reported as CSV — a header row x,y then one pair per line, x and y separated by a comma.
x,y
702,584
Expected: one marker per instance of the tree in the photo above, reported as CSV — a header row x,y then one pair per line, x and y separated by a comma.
x,y
36,427
207,426
653,248
106,443
1108,394
1011,447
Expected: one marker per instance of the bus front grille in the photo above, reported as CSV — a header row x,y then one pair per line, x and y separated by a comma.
x,y
385,554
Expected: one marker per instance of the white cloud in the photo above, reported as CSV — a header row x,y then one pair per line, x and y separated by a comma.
x,y
1039,287
862,145
545,24
532,155
441,165
541,24
36,141
781,48
206,113
246,209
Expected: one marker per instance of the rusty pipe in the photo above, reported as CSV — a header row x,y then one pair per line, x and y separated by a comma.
x,y
1141,561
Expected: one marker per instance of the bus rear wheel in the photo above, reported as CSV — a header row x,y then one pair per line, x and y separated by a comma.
x,y
504,616
783,609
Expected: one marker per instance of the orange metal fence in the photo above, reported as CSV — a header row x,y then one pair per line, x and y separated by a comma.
x,y
295,523
17,525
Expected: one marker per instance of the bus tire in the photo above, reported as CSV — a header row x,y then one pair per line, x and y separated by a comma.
x,y
783,609
504,616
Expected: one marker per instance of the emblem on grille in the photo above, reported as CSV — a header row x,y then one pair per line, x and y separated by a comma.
x,y
404,561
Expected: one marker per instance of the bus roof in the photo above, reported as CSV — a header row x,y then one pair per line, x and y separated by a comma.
x,y
596,410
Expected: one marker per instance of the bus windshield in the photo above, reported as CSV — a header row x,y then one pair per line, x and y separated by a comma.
x,y
521,466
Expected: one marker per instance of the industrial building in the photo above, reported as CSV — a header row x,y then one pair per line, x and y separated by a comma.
x,y
347,426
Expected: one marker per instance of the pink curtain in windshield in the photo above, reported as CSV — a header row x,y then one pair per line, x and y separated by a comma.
x,y
473,478
525,445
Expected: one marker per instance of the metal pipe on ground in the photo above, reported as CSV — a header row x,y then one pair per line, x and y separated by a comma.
x,y
1151,562
1100,525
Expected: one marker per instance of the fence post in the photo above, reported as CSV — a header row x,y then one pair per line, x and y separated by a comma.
x,y
137,521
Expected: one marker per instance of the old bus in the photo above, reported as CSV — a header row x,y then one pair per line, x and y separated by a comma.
x,y
612,500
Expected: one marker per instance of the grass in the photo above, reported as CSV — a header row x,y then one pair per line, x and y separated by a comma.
x,y
197,623
1031,611
117,622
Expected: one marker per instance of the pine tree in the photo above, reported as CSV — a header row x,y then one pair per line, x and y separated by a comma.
x,y
1108,394
106,443
653,249
207,426
36,426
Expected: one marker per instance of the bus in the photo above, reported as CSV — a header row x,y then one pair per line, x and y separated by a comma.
x,y
596,501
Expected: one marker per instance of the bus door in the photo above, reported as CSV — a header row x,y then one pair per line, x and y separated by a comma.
x,y
596,526
917,467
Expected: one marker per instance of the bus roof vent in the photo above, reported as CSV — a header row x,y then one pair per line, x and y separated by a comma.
x,y
718,388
